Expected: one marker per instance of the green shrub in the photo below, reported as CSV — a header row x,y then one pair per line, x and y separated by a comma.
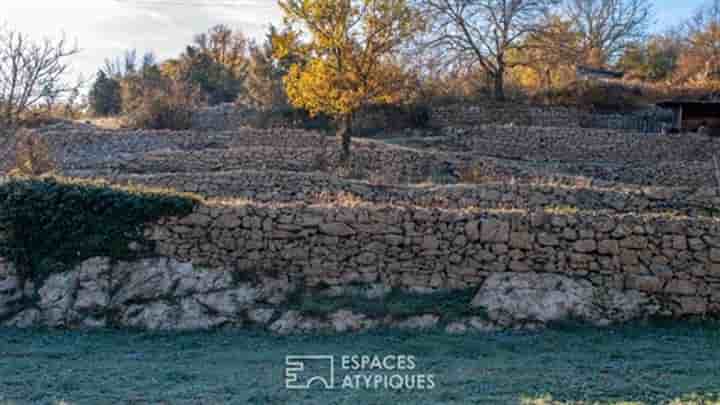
x,y
51,224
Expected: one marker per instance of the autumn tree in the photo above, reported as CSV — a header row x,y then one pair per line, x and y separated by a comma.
x,y
655,59
546,58
348,56
700,60
483,32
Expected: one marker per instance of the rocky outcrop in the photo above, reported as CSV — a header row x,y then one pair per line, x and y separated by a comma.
x,y
511,299
157,293
164,294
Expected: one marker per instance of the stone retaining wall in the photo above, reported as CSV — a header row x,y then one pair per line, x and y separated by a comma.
x,y
372,161
284,187
434,248
577,144
497,152
234,263
223,117
505,113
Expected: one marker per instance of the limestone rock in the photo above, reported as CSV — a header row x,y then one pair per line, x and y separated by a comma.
x,y
534,297
194,280
521,240
261,315
541,298
337,229
344,321
495,231
93,293
193,315
287,323
143,280
152,316
229,303
483,325
585,246
57,298
472,231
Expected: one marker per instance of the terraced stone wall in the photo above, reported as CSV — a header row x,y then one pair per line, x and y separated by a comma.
x,y
269,186
506,113
246,264
673,262
575,144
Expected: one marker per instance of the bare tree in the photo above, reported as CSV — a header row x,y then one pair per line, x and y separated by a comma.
x,y
607,27
31,72
482,32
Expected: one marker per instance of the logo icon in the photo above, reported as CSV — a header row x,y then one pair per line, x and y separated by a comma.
x,y
302,372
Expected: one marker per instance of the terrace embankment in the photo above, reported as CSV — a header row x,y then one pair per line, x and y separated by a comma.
x,y
239,263
561,224
487,153
267,186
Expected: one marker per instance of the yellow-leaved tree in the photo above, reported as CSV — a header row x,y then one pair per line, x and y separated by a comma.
x,y
347,52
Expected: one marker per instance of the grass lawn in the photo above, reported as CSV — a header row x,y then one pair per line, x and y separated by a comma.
x,y
649,364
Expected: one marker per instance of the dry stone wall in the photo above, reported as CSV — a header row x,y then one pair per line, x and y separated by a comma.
x,y
497,153
504,113
436,248
577,144
607,155
675,261
223,117
370,161
285,187
241,263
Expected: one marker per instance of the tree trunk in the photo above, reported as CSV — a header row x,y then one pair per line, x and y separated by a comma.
x,y
344,135
500,85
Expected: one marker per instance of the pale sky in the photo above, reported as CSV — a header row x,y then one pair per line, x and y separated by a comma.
x,y
105,28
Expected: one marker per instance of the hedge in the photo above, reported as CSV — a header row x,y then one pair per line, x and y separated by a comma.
x,y
48,225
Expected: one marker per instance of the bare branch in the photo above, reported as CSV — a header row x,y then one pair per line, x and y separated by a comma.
x,y
31,72
484,31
